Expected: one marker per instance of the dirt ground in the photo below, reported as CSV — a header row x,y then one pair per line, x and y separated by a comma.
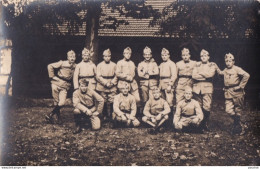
x,y
29,141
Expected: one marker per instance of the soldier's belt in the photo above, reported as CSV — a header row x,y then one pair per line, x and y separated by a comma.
x,y
164,77
185,76
108,77
62,78
129,81
90,107
206,80
89,77
231,86
185,115
126,111
150,77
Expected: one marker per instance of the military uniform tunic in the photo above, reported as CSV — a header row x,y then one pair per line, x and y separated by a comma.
x,y
125,72
106,74
150,68
234,98
168,76
184,70
155,107
62,83
85,70
203,87
86,101
187,112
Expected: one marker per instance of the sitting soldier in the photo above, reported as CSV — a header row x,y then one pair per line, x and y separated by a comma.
x,y
156,110
188,111
125,107
84,100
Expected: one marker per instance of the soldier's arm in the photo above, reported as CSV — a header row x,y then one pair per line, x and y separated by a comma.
x,y
198,111
166,109
130,77
94,70
115,79
210,73
147,109
100,102
140,71
116,106
133,107
245,77
99,77
121,75
196,75
173,73
77,104
177,114
76,78
53,66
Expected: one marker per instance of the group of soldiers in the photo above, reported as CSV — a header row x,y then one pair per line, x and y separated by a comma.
x,y
166,91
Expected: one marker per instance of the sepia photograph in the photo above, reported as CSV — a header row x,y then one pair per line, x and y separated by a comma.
x,y
130,83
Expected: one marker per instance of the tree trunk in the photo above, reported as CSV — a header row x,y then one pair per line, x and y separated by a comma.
x,y
93,14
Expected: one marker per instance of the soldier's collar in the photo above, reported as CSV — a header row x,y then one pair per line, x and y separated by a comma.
x,y
127,60
107,62
187,61
187,101
204,63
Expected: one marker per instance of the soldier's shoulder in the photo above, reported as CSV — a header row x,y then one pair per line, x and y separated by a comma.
x,y
212,64
194,101
76,92
180,103
113,63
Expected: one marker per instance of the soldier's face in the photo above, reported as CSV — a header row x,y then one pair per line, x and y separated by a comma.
x,y
165,57
107,58
127,55
204,58
125,91
71,58
83,88
229,63
185,57
147,56
188,95
156,95
85,57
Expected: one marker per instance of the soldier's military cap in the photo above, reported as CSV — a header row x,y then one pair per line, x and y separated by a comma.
x,y
107,52
188,89
128,49
147,50
71,52
85,51
229,56
155,89
83,82
185,51
165,51
204,52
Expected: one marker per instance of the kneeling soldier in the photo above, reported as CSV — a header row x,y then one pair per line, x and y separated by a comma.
x,y
61,83
235,80
125,107
156,110
188,111
84,100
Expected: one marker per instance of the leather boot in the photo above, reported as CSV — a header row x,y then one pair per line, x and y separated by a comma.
x,y
49,117
78,128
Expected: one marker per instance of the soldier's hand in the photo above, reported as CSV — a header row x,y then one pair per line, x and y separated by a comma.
x,y
131,117
123,117
169,89
153,119
88,112
196,120
236,88
55,78
158,117
95,113
146,76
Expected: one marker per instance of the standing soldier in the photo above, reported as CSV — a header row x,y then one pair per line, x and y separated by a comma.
x,y
184,69
106,80
61,83
202,74
84,100
235,80
168,75
86,69
125,107
148,72
125,72
188,111
156,110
